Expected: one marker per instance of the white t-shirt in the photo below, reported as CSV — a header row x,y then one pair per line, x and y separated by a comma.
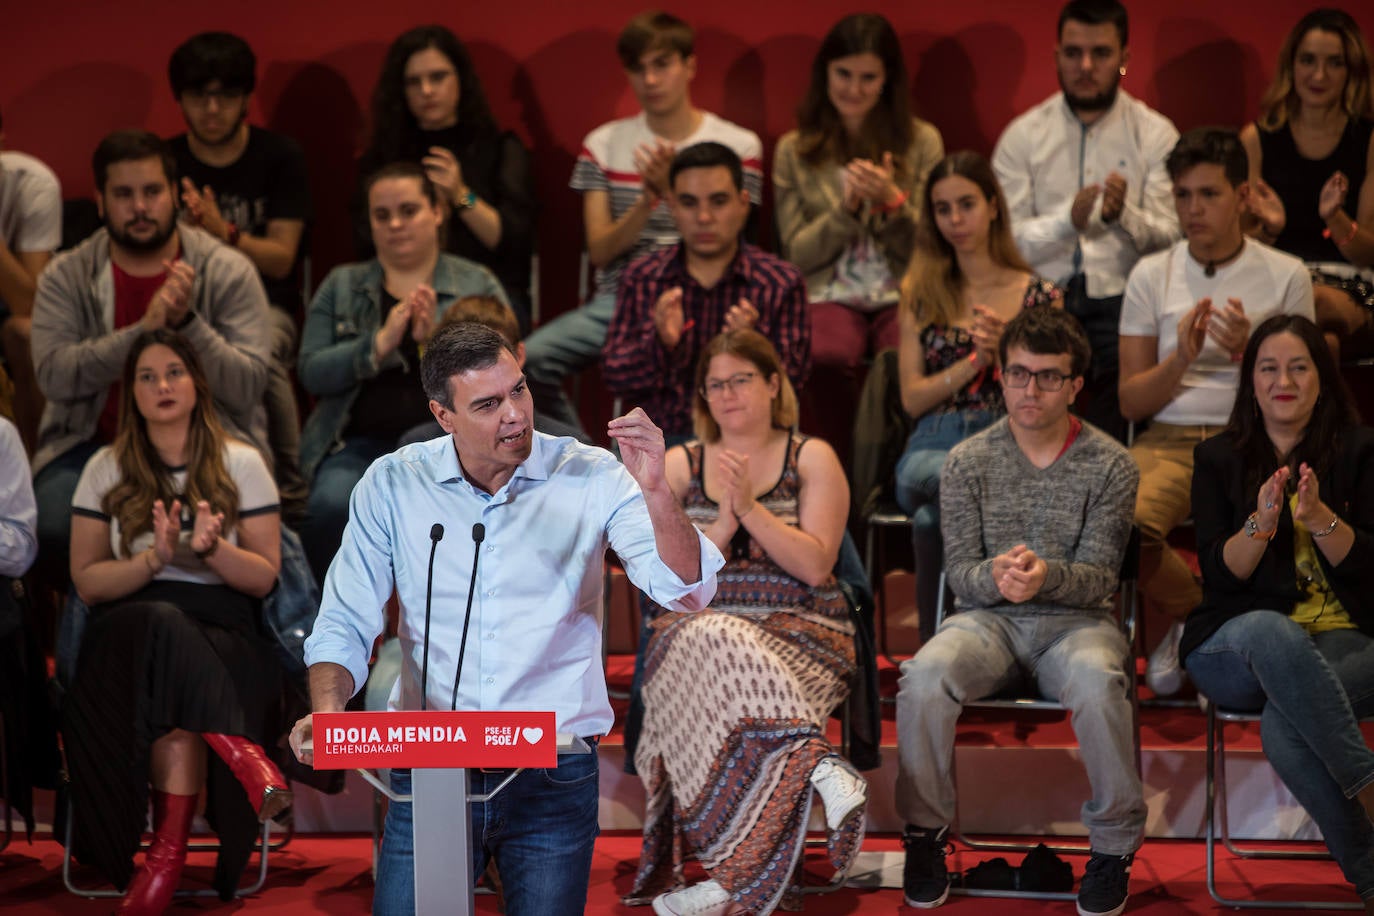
x,y
30,204
607,163
257,495
1165,285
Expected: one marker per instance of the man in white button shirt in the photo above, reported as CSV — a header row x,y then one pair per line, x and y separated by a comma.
x,y
1083,173
550,507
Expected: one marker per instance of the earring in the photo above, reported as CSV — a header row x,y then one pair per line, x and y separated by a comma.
x,y
1122,71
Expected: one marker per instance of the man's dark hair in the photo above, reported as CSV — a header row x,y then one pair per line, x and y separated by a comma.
x,y
455,349
211,56
1047,332
130,146
707,155
1095,12
653,31
1210,146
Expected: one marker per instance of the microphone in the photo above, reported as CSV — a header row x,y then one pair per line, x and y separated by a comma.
x,y
479,533
436,534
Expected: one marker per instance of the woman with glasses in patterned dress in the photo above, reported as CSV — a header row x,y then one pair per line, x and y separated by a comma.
x,y
729,760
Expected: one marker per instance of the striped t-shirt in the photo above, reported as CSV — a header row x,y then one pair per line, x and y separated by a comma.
x,y
606,163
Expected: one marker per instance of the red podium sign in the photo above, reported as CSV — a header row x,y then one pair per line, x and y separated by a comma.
x,y
445,739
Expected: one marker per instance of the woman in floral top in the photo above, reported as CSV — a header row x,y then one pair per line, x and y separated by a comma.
x,y
966,280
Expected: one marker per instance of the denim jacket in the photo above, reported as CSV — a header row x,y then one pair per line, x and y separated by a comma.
x,y
336,356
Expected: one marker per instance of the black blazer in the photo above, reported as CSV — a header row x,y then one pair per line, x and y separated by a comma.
x,y
1221,503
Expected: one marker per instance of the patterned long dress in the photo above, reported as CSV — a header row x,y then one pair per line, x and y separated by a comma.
x,y
736,700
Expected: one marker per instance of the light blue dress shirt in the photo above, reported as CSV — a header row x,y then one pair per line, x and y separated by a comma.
x,y
535,638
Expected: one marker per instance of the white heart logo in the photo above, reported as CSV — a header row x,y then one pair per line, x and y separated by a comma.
x,y
532,735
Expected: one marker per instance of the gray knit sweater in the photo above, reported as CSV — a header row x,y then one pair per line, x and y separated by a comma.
x,y
1075,514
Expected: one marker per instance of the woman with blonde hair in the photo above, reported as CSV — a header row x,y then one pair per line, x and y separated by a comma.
x,y
1311,155
965,282
729,761
175,542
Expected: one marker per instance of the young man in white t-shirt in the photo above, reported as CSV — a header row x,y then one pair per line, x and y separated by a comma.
x,y
622,173
1185,319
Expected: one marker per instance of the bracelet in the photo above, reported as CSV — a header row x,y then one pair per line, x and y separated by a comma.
x,y
233,239
1252,531
1335,520
467,201
896,203
1354,228
204,555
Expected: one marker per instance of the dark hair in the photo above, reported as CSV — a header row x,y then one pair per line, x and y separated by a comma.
x,y
210,56
1333,414
1280,100
1096,12
653,30
706,156
395,132
129,146
489,312
887,129
1210,146
1047,332
455,349
402,169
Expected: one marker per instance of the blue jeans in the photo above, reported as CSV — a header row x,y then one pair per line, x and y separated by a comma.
x,y
52,491
326,511
568,344
1309,689
540,830
918,493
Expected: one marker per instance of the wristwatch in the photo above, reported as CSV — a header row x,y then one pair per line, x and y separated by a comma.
x,y
467,201
1252,531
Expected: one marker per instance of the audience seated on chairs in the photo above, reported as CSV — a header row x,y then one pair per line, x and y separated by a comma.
x,y
247,187
360,348
622,174
729,761
848,183
491,312
966,280
30,231
1185,318
175,542
428,107
674,301
1311,177
1284,504
141,272
1084,176
1036,512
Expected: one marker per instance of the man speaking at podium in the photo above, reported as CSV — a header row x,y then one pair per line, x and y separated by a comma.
x,y
541,511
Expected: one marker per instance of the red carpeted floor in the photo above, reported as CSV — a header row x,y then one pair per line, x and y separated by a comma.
x,y
318,875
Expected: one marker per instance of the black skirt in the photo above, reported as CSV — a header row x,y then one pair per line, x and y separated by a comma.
x,y
172,655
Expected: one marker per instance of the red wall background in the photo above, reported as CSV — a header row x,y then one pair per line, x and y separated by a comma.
x,y
70,72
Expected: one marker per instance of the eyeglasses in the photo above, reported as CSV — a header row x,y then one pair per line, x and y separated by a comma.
x,y
1045,379
712,390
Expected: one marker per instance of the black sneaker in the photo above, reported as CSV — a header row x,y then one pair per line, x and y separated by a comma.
x,y
925,880
1106,882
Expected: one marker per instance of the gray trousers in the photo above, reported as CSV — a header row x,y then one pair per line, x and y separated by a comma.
x,y
1075,659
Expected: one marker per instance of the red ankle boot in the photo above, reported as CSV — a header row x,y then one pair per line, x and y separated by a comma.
x,y
266,787
151,890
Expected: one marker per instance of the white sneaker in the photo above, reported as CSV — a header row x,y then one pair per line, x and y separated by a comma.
x,y
1163,672
840,788
705,899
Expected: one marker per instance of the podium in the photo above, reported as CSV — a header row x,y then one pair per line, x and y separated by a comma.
x,y
439,747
